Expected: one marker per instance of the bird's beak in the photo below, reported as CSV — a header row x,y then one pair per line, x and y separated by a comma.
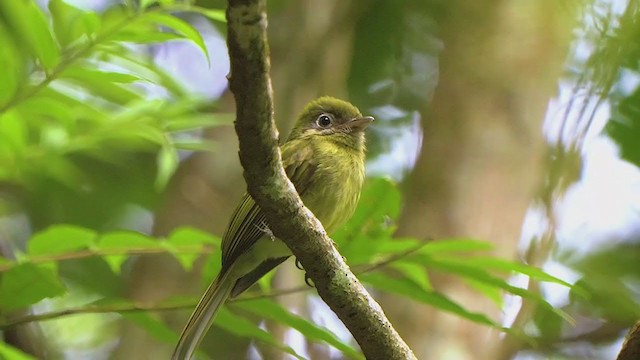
x,y
360,123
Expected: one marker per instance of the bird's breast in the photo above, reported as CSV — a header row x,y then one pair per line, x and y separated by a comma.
x,y
335,189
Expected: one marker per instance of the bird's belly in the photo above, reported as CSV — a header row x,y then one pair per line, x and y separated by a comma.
x,y
333,205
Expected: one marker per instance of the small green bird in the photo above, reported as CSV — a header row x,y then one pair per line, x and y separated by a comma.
x,y
324,158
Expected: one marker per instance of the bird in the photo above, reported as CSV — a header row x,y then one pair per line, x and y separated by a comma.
x,y
324,158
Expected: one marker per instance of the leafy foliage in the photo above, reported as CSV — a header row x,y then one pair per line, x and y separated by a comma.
x,y
76,89
399,266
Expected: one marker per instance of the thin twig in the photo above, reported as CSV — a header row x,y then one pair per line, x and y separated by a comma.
x,y
186,304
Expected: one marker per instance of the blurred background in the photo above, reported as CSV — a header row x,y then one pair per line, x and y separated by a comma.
x,y
503,122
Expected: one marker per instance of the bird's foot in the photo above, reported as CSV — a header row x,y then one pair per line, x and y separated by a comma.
x,y
308,281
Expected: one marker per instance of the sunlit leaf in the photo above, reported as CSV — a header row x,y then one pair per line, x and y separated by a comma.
x,y
181,27
470,270
123,241
103,84
118,55
414,272
213,14
12,65
71,23
26,284
189,237
61,239
145,3
197,121
30,25
14,132
10,353
167,163
271,310
491,263
408,289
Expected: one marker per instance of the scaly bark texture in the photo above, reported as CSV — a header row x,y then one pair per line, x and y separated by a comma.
x,y
268,184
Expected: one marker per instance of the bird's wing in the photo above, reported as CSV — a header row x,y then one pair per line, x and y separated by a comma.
x,y
248,223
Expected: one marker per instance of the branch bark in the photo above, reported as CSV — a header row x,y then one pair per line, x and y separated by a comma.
x,y
631,347
267,182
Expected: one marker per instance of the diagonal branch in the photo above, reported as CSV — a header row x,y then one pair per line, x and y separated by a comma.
x,y
269,186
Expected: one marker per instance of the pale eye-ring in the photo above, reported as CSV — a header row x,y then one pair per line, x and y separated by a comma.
x,y
324,120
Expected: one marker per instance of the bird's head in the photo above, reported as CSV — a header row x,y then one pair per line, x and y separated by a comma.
x,y
333,119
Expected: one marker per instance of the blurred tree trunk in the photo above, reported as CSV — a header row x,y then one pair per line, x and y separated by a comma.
x,y
482,151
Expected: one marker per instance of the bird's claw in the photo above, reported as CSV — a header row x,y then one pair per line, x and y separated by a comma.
x,y
307,280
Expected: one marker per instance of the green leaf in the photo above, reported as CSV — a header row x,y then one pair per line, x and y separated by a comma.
x,y
61,239
372,222
145,3
213,14
512,266
456,245
103,84
242,327
467,269
413,272
14,132
189,237
12,65
180,26
124,241
408,289
71,23
58,168
121,56
92,274
10,353
198,121
30,25
494,294
167,163
27,284
197,145
271,310
94,76
155,327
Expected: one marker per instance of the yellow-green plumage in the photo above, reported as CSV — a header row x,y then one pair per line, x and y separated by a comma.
x,y
324,158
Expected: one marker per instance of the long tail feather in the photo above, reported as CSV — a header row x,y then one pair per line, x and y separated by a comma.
x,y
203,316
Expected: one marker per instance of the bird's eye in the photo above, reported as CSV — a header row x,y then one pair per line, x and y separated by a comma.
x,y
324,120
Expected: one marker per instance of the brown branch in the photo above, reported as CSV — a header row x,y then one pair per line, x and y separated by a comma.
x,y
269,186
631,347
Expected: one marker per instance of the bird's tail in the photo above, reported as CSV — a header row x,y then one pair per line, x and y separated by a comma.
x,y
202,317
